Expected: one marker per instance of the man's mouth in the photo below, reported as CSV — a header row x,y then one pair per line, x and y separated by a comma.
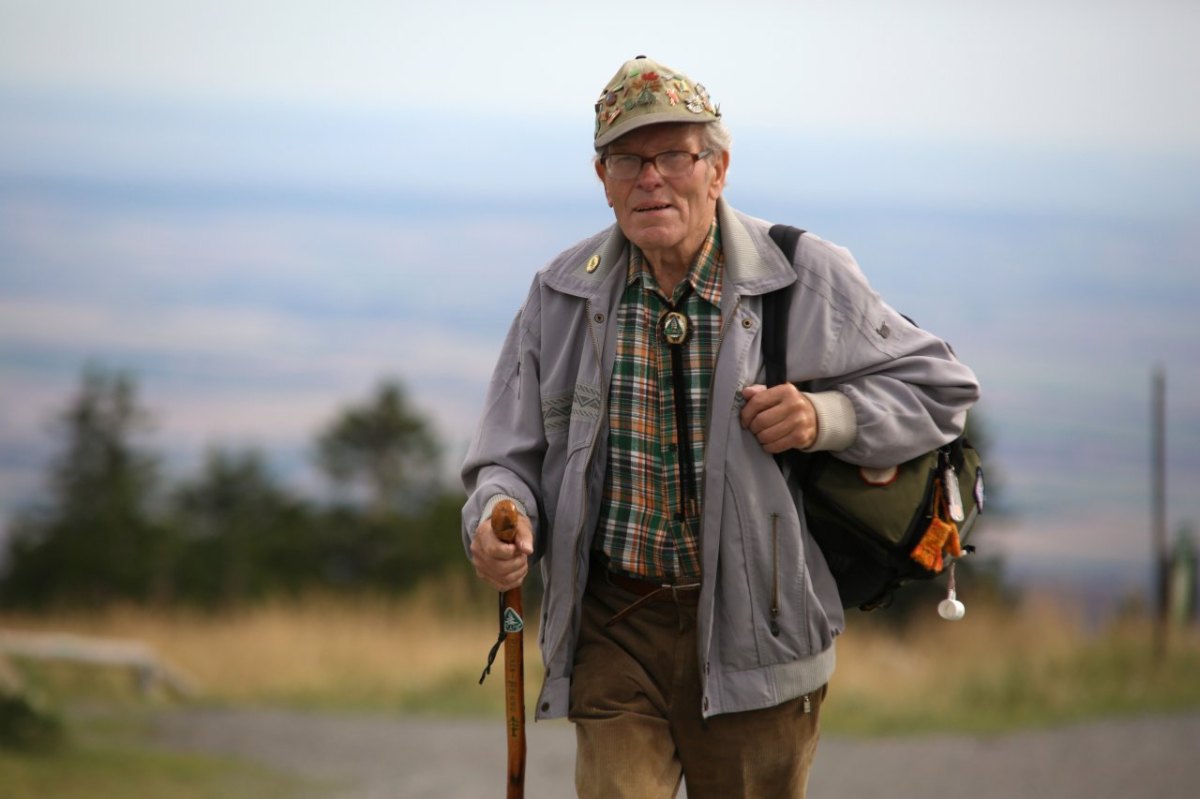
x,y
652,207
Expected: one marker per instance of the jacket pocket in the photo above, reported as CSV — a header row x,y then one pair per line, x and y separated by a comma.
x,y
763,597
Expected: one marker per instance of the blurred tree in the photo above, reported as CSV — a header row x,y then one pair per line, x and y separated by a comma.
x,y
241,535
231,533
95,539
392,551
386,447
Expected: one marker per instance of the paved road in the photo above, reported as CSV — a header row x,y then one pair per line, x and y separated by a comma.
x,y
375,758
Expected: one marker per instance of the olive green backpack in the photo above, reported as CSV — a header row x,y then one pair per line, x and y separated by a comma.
x,y
877,529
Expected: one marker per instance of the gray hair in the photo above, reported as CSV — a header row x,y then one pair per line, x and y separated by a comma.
x,y
717,137
713,136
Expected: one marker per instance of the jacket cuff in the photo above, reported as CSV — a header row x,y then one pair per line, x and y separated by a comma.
x,y
837,426
495,500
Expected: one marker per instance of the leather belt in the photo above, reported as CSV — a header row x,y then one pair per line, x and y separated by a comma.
x,y
646,590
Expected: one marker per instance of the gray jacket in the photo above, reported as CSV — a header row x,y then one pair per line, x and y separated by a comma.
x,y
544,430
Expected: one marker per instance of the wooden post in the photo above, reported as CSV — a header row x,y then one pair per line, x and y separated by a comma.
x,y
1158,508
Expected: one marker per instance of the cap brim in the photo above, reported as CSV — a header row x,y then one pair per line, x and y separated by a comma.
x,y
654,118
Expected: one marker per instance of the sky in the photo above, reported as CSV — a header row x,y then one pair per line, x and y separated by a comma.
x,y
264,208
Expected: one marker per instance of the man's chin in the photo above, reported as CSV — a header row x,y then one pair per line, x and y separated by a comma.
x,y
654,237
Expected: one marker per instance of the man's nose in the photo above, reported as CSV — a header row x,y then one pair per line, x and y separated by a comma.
x,y
649,175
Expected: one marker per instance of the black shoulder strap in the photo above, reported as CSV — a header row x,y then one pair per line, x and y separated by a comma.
x,y
775,309
774,322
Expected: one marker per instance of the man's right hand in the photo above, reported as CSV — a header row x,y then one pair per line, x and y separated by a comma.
x,y
503,566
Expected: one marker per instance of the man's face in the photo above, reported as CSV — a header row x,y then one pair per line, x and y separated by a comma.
x,y
667,218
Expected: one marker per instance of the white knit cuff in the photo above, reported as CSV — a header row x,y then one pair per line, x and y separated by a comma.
x,y
496,500
837,425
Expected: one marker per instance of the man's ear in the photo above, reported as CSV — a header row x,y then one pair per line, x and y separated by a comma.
x,y
720,167
600,173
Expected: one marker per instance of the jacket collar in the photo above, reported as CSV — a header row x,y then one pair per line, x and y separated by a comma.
x,y
753,263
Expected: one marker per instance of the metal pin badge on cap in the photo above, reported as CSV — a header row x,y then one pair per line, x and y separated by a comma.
x,y
645,92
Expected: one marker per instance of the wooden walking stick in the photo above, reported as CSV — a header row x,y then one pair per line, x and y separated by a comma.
x,y
504,525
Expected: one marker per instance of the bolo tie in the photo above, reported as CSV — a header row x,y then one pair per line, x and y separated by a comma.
x,y
676,330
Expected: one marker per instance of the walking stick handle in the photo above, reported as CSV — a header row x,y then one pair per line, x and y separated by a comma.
x,y
504,520
504,525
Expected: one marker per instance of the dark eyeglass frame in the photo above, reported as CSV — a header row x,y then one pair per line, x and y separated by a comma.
x,y
656,159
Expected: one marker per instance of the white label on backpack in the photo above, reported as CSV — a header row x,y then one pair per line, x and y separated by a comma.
x,y
953,494
878,477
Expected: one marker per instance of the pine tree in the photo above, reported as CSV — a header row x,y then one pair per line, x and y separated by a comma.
x,y
95,539
384,447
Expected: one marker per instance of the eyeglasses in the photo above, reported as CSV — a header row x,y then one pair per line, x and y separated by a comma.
x,y
671,164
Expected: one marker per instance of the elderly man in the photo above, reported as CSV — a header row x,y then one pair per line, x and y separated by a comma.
x,y
688,621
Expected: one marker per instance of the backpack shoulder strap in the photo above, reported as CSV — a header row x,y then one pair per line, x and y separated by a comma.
x,y
774,329
775,309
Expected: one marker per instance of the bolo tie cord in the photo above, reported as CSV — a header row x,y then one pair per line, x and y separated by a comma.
x,y
683,439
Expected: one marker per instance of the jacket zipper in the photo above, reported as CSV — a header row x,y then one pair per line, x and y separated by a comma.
x,y
587,471
707,449
708,422
775,574
774,620
716,357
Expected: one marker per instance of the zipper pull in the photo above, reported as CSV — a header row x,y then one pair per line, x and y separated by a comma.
x,y
953,494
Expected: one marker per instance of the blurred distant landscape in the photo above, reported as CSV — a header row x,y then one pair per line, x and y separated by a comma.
x,y
257,260
251,289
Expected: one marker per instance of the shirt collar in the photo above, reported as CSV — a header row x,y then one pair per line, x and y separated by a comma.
x,y
704,274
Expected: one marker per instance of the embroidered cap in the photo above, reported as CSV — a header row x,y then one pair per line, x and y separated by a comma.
x,y
645,92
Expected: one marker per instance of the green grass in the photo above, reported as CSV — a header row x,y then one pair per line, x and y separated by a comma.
x,y
104,750
91,770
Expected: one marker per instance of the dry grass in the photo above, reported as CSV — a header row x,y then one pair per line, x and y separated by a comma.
x,y
422,653
996,669
1001,668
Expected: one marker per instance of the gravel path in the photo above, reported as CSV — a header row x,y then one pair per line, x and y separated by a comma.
x,y
372,758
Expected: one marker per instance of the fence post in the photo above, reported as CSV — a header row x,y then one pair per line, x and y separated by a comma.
x,y
1158,507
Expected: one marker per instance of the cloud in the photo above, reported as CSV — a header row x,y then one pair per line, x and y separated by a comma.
x,y
263,220
1104,72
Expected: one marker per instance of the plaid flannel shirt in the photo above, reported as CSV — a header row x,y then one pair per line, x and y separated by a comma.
x,y
646,528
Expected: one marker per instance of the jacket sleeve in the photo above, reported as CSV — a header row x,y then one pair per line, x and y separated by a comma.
x,y
504,459
908,390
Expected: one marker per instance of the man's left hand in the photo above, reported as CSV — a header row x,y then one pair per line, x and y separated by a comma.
x,y
781,417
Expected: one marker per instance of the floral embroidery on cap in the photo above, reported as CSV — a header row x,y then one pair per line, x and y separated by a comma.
x,y
645,92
